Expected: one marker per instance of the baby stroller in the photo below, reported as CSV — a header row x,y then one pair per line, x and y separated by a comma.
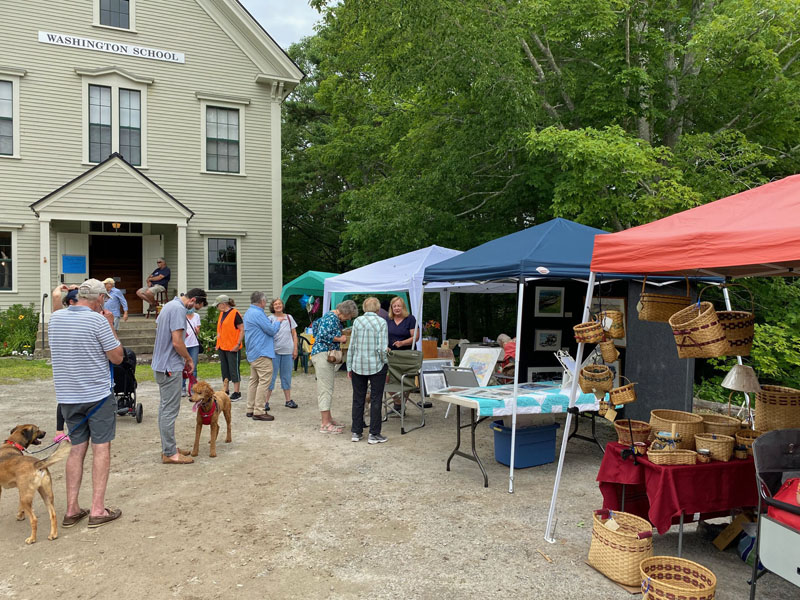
x,y
125,386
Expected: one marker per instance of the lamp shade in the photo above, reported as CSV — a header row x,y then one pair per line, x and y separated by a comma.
x,y
741,378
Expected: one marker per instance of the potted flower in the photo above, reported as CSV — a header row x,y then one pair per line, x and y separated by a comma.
x,y
430,341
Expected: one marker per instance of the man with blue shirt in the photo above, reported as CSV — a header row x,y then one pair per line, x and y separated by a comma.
x,y
116,303
82,343
170,356
259,342
157,281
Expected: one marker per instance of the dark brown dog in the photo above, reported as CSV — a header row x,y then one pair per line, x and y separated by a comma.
x,y
29,474
209,405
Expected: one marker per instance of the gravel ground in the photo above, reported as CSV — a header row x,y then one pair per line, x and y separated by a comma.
x,y
285,512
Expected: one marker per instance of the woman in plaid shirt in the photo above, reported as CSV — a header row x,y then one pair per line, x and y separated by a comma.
x,y
366,363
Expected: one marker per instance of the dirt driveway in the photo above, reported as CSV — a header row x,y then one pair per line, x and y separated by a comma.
x,y
285,512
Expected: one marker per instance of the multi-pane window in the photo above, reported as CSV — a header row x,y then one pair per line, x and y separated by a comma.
x,y
6,282
115,13
99,123
6,118
222,139
130,126
222,264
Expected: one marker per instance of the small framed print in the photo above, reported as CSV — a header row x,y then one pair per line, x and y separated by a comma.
x,y
547,340
549,302
432,382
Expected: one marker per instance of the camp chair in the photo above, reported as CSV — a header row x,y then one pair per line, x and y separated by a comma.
x,y
775,453
404,368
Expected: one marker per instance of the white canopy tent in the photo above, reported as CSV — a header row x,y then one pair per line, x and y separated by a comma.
x,y
405,272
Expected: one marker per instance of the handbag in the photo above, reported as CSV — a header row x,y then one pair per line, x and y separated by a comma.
x,y
197,336
335,357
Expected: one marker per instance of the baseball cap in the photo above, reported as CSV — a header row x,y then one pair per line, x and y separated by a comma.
x,y
70,296
109,280
91,288
222,298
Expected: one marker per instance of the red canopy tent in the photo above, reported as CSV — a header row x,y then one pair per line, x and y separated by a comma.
x,y
754,233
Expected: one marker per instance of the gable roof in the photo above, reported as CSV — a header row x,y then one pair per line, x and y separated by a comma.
x,y
173,206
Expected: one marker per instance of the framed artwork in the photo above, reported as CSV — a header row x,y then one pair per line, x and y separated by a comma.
x,y
432,382
619,304
435,364
547,340
549,302
482,360
545,373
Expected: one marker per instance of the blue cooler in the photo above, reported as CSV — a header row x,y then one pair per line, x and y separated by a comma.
x,y
535,445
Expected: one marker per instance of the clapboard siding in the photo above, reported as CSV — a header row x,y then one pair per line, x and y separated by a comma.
x,y
51,147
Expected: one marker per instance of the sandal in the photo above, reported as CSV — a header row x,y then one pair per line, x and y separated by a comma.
x,y
331,428
182,460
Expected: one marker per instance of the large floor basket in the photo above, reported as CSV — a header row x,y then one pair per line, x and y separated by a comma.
x,y
617,554
673,578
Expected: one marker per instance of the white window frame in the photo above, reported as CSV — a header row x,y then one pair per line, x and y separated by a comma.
x,y
13,76
131,17
116,82
13,229
215,235
222,101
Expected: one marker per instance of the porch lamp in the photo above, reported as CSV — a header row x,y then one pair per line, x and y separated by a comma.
x,y
116,226
741,378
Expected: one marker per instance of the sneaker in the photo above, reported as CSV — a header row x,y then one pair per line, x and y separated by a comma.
x,y
377,439
183,393
290,404
266,407
356,437
236,396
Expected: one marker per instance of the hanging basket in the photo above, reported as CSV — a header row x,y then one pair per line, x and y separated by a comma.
x,y
612,323
721,424
698,332
673,578
588,333
596,379
624,394
602,408
720,446
641,431
738,325
608,351
777,407
660,307
686,424
618,553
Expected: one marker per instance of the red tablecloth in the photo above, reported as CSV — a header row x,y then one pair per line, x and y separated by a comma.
x,y
659,493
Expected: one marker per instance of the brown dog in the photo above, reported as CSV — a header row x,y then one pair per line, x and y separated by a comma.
x,y
209,405
29,474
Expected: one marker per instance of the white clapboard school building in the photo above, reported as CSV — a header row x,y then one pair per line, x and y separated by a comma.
x,y
133,129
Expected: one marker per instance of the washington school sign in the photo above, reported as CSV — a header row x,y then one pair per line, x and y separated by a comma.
x,y
75,41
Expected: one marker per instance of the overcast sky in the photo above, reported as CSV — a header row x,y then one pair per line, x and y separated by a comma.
x,y
287,21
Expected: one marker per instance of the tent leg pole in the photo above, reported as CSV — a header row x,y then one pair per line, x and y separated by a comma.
x,y
521,295
549,534
746,405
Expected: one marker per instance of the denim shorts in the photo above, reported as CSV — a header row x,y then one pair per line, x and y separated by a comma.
x,y
101,426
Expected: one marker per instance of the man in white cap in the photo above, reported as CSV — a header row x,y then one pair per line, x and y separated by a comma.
x,y
82,342
116,303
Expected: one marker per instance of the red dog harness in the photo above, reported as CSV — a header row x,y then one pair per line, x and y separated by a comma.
x,y
207,415
19,446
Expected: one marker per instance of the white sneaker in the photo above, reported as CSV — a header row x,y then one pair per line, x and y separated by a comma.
x,y
377,439
356,437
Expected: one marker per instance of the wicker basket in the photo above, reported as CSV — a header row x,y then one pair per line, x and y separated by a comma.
x,y
746,437
603,408
698,332
721,446
588,333
687,424
739,327
624,394
672,457
615,326
660,307
596,379
608,351
618,553
721,424
676,578
777,408
641,431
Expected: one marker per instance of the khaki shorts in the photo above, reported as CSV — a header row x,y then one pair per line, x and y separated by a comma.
x,y
157,289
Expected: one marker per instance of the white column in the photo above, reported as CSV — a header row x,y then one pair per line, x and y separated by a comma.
x,y
44,264
277,199
182,275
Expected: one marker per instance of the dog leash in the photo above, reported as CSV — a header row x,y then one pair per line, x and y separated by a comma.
x,y
86,418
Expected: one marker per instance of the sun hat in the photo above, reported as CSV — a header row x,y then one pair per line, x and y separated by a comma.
x,y
222,298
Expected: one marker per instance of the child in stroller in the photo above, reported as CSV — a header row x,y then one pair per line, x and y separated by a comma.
x,y
125,386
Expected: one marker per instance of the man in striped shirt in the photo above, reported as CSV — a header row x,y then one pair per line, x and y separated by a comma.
x,y
366,364
82,342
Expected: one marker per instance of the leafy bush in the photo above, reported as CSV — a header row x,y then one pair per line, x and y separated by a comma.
x,y
208,330
18,326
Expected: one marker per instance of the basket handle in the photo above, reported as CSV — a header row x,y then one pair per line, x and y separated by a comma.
x,y
626,379
643,535
752,302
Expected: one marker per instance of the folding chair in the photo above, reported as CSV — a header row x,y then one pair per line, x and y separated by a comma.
x,y
404,367
775,453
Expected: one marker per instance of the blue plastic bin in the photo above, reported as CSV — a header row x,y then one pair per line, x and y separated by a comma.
x,y
535,445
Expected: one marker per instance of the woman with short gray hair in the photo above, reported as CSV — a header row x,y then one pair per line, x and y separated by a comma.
x,y
328,335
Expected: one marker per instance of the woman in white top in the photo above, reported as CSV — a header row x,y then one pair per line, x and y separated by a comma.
x,y
285,352
192,344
